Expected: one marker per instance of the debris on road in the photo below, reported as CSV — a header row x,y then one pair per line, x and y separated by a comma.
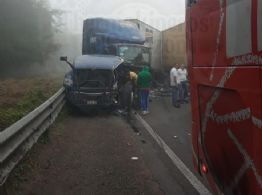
x,y
143,141
134,158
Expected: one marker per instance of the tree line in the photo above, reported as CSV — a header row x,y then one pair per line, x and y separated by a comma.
x,y
27,29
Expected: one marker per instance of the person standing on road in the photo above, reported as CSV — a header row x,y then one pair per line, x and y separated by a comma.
x,y
125,91
135,96
175,84
133,77
182,72
144,83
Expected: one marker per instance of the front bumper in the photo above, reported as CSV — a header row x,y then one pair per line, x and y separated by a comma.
x,y
85,100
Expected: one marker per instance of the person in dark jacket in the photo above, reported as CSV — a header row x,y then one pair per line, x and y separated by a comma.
x,y
144,83
125,92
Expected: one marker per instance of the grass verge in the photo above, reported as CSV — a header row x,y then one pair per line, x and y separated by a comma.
x,y
20,174
18,98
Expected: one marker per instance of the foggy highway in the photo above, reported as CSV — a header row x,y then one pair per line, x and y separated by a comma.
x,y
96,97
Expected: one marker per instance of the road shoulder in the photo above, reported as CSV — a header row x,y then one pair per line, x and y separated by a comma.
x,y
85,155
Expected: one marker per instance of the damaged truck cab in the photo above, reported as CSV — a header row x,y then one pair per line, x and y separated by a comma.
x,y
93,81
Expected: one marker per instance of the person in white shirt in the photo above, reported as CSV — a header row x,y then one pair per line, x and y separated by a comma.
x,y
175,85
183,91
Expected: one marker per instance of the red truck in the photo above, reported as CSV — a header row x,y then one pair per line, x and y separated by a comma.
x,y
224,53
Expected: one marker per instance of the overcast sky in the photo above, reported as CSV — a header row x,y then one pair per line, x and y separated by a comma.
x,y
160,14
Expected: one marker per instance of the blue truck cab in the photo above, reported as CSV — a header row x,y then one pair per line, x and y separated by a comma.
x,y
93,81
116,37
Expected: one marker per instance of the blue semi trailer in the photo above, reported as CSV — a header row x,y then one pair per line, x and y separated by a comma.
x,y
116,37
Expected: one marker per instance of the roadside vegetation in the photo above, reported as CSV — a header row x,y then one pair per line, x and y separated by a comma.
x,y
28,37
19,97
27,32
20,174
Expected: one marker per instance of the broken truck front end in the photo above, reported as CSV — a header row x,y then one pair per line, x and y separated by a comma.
x,y
92,83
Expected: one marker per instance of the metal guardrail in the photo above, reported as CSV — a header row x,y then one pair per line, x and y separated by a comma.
x,y
18,139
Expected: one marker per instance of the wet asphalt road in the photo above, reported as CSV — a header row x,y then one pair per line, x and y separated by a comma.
x,y
93,155
173,125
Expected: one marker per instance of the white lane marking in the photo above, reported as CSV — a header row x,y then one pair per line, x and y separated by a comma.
x,y
175,159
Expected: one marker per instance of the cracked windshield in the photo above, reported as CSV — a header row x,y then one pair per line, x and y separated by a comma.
x,y
121,97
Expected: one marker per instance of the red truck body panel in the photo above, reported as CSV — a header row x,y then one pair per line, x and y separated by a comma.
x,y
224,50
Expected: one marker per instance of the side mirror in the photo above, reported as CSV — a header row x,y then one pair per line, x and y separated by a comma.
x,y
63,58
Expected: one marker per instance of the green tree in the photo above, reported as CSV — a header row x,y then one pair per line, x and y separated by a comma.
x,y
27,28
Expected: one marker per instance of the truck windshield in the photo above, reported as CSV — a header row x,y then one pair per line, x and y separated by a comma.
x,y
138,56
94,78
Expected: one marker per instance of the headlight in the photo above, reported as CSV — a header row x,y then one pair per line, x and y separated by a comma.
x,y
68,81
